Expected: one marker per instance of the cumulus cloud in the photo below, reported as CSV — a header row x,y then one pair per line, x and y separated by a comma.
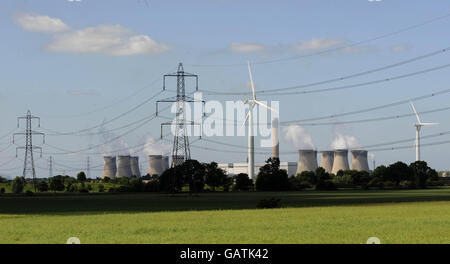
x,y
40,23
239,47
317,44
111,40
114,40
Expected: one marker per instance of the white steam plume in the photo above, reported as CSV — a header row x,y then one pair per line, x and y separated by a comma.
x,y
299,137
342,141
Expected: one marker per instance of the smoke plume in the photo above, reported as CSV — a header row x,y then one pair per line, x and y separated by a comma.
x,y
342,141
299,137
153,147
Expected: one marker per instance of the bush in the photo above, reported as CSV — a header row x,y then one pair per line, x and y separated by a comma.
x,y
407,185
18,185
42,186
72,188
389,184
243,182
112,190
344,181
2,190
376,182
152,186
101,188
29,193
326,185
269,203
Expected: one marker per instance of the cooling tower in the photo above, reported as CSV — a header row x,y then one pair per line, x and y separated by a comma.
x,y
110,169
135,170
275,141
340,160
124,166
359,160
307,160
326,160
177,160
155,165
166,162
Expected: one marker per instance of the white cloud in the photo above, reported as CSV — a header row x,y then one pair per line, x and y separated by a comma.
x,y
111,40
399,47
239,47
40,23
317,44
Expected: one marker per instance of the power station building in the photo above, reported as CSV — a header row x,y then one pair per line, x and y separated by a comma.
x,y
235,168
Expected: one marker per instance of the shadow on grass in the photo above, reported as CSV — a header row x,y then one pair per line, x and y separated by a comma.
x,y
70,204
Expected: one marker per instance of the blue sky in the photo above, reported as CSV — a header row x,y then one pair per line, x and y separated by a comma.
x,y
76,64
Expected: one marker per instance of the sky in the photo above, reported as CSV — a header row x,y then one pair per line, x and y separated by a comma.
x,y
82,66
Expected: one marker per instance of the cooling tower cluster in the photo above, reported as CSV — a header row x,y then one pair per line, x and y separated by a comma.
x,y
157,164
127,166
307,160
339,160
332,161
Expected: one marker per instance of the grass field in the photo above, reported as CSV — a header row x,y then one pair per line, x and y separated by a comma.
x,y
408,216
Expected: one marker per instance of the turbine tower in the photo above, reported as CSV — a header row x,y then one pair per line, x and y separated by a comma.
x,y
419,126
251,142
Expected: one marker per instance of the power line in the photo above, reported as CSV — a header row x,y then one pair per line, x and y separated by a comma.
x,y
113,119
342,47
342,78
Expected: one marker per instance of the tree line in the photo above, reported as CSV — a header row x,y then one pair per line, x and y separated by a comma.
x,y
194,177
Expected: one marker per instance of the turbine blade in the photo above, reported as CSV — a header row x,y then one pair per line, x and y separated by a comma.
x,y
415,112
246,118
251,80
265,106
429,124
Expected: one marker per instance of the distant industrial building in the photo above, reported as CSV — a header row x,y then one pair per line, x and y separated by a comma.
x,y
236,168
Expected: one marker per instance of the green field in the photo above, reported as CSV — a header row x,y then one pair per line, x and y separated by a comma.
x,y
407,216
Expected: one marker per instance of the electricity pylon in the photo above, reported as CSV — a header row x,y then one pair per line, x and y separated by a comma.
x,y
28,162
181,150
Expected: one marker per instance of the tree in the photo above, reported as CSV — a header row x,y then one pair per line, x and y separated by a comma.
x,y
398,172
271,177
194,175
171,180
420,171
324,180
3,180
214,176
243,182
57,183
81,176
42,186
307,177
18,185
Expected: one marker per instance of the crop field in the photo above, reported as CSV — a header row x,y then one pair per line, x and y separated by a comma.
x,y
394,216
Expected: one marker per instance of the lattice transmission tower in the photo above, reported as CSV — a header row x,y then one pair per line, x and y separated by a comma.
x,y
28,162
181,150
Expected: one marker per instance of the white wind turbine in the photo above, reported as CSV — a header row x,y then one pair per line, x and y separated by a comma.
x,y
251,143
418,126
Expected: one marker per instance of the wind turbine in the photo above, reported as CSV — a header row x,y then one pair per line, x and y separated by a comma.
x,y
251,142
418,126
